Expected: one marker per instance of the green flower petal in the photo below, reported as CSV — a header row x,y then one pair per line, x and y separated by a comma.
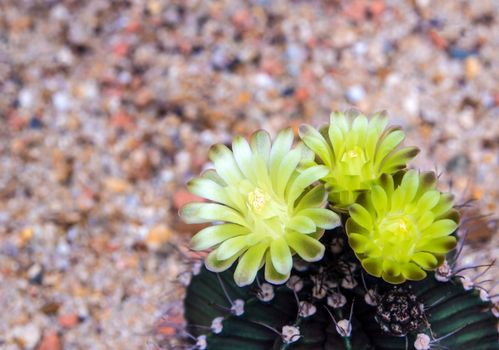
x,y
425,220
440,228
316,197
271,275
232,246
286,169
213,235
398,159
352,226
393,279
386,181
410,185
358,242
197,213
338,120
260,144
210,190
225,164
374,266
380,200
413,272
244,157
302,224
444,205
215,265
249,264
427,182
361,216
428,201
212,175
398,202
392,272
316,142
281,256
365,200
391,267
440,245
425,260
282,146
453,215
261,169
393,138
307,155
307,248
376,126
323,218
359,128
305,179
337,140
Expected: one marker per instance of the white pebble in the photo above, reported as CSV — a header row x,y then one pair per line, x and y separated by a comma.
x,y
355,93
61,101
29,335
26,98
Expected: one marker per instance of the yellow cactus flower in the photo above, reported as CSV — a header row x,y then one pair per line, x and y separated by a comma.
x,y
356,151
265,208
402,227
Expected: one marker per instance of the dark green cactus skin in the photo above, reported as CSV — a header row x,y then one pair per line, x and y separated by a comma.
x,y
449,310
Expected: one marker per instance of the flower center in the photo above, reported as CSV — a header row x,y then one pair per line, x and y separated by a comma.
x,y
352,154
397,235
403,226
353,160
268,216
257,200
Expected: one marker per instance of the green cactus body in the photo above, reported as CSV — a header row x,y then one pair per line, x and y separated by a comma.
x,y
225,316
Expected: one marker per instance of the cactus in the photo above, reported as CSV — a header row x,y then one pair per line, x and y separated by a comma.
x,y
334,304
369,271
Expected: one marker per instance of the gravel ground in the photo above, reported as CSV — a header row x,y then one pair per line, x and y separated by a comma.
x,y
108,107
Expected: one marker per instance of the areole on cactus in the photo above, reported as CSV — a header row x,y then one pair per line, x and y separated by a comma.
x,y
360,283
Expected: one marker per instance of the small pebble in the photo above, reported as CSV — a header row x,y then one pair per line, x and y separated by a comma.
x,y
472,67
35,274
68,320
50,341
355,94
28,335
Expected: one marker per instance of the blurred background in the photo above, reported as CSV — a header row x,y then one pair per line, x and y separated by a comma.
x,y
107,108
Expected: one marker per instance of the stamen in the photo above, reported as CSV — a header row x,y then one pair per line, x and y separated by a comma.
x,y
257,200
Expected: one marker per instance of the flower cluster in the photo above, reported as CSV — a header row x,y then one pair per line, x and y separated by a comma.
x,y
267,202
267,209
